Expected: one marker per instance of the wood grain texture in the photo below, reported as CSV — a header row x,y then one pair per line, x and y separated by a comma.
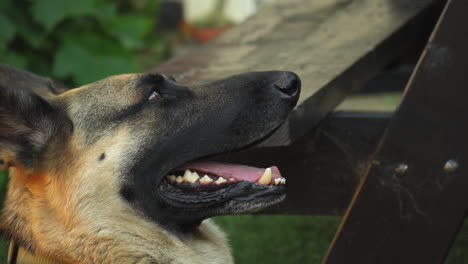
x,y
334,45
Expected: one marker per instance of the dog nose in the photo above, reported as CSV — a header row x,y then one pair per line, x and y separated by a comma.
x,y
288,83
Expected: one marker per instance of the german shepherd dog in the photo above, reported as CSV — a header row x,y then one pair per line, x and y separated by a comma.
x,y
112,172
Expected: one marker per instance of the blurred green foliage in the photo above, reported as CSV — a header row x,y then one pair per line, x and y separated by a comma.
x,y
3,243
81,41
3,184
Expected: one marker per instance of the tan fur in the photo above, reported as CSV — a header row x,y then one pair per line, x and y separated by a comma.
x,y
70,209
77,216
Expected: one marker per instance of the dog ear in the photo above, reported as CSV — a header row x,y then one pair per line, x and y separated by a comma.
x,y
27,124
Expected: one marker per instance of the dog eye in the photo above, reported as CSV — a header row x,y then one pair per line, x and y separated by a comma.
x,y
155,95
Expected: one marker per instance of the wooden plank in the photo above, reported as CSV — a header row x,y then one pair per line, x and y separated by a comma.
x,y
324,168
413,199
335,46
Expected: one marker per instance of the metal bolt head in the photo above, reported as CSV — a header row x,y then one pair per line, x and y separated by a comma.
x,y
451,166
401,169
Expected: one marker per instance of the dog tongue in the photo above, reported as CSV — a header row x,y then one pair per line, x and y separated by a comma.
x,y
228,171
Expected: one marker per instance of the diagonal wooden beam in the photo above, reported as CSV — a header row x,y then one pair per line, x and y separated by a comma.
x,y
413,199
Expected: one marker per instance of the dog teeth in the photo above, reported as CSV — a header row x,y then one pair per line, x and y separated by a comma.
x,y
171,177
266,177
206,180
191,177
279,181
220,180
187,173
179,179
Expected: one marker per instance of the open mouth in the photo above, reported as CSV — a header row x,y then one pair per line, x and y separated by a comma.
x,y
208,175
207,182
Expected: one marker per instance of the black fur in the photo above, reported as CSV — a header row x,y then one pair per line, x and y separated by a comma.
x,y
27,123
206,120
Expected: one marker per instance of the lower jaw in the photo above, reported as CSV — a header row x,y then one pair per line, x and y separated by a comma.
x,y
240,197
246,207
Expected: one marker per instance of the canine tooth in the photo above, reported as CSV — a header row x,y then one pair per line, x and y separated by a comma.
x,y
206,179
278,181
190,177
232,180
187,173
266,178
171,177
220,180
179,179
283,180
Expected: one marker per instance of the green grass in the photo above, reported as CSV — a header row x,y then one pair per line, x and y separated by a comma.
x,y
279,239
459,252
297,239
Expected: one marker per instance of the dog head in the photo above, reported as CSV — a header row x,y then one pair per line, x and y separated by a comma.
x,y
137,144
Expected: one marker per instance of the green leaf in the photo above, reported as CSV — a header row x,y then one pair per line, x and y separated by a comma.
x,y
5,6
33,35
14,59
51,12
131,30
25,27
97,42
84,66
7,29
107,12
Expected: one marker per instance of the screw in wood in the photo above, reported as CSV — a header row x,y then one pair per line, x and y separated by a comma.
x,y
450,166
401,169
